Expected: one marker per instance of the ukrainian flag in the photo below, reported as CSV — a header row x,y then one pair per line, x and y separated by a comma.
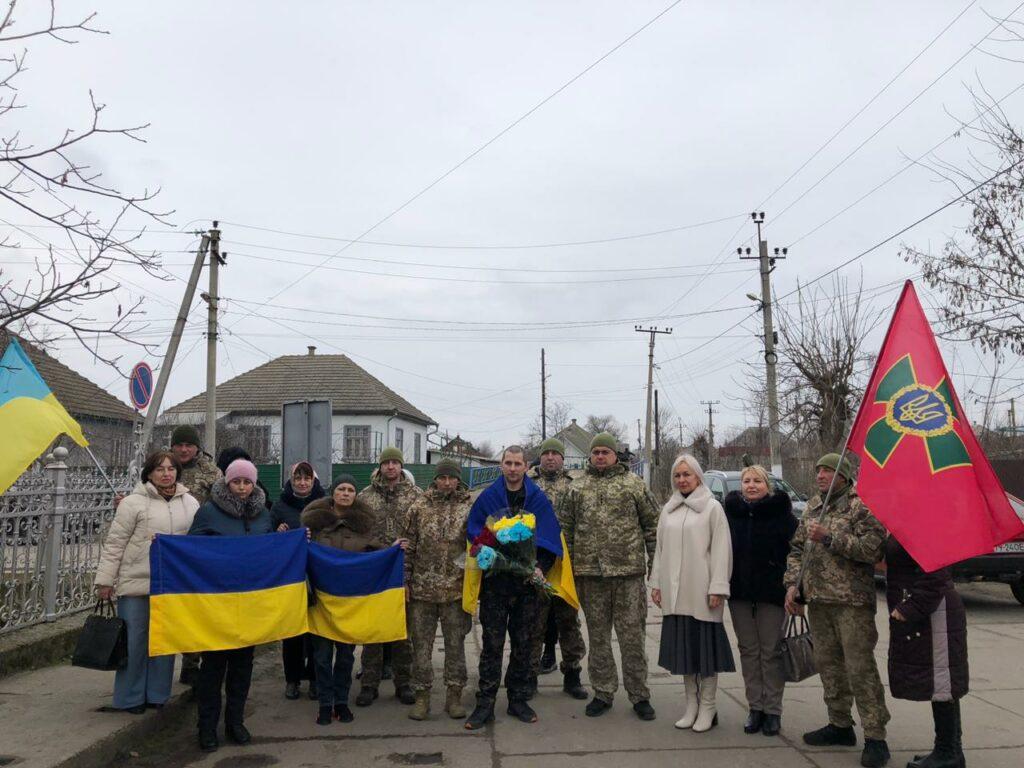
x,y
31,417
360,598
214,593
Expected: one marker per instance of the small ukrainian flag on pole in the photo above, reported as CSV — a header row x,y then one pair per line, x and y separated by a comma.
x,y
31,417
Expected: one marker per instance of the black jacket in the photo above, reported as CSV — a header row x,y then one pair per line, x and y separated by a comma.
x,y
761,532
928,651
288,508
226,515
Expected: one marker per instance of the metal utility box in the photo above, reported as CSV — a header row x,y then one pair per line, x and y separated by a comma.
x,y
306,435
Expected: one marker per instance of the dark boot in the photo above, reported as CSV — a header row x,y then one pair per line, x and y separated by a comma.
x,y
875,754
313,695
324,716
573,686
522,711
597,707
291,691
343,713
772,725
481,715
405,695
644,710
237,733
208,741
946,753
548,662
531,688
366,696
831,736
755,721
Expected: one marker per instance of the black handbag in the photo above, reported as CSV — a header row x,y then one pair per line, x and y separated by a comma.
x,y
103,642
798,650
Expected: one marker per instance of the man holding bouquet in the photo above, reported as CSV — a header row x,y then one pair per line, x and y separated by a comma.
x,y
515,538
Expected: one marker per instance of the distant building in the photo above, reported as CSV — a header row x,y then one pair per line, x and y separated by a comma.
x,y
107,423
367,415
462,451
577,445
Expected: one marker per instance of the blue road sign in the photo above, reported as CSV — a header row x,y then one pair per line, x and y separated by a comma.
x,y
140,385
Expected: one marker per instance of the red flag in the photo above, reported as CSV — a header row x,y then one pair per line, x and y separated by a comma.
x,y
922,472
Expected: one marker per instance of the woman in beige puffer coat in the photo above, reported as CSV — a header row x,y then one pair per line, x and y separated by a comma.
x,y
159,504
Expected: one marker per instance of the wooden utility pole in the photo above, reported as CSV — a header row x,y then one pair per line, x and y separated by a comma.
x,y
653,332
168,362
543,399
767,266
1013,416
657,432
216,261
711,428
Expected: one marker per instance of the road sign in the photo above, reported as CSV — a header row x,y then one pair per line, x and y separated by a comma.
x,y
140,385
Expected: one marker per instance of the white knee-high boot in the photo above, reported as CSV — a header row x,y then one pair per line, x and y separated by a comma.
x,y
690,696
707,715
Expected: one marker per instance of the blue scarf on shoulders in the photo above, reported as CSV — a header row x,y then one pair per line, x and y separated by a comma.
x,y
493,502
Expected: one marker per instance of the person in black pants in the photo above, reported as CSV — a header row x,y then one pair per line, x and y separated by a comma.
x,y
299,491
235,508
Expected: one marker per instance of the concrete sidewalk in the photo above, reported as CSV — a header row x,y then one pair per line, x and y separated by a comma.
x,y
49,718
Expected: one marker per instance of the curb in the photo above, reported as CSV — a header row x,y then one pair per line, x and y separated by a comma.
x,y
40,645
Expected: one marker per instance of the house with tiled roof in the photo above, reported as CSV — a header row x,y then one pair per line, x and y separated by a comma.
x,y
106,422
367,415
577,445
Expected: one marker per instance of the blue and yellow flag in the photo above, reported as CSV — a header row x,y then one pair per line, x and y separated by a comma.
x,y
360,598
214,593
31,417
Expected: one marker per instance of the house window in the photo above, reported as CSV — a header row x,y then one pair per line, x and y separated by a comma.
x,y
256,440
417,444
400,439
357,443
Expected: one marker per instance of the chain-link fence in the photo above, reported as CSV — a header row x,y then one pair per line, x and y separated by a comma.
x,y
52,524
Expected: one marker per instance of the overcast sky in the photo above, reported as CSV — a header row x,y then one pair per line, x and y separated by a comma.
x,y
299,126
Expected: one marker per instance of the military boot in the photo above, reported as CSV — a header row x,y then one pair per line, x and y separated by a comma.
x,y
453,703
573,686
421,708
876,754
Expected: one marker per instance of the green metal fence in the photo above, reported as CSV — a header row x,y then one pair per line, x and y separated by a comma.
x,y
270,475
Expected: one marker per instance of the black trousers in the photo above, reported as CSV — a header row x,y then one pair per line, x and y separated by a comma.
x,y
514,614
231,670
297,655
551,632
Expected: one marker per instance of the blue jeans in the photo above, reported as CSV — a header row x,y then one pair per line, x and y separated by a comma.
x,y
333,662
146,679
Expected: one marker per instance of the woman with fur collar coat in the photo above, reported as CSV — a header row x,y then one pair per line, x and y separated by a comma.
x,y
762,523
690,583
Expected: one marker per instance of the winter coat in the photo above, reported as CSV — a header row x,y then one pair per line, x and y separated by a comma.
x,y
844,572
693,558
389,504
761,531
227,515
199,475
610,522
928,651
288,508
124,561
347,528
555,486
436,530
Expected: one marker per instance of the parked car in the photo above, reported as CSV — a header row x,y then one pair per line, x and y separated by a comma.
x,y
1005,564
721,481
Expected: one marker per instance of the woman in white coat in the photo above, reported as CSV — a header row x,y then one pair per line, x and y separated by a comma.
x,y
159,504
690,583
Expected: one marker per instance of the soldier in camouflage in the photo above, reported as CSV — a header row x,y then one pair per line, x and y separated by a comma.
x,y
552,478
436,532
831,569
198,474
389,496
610,522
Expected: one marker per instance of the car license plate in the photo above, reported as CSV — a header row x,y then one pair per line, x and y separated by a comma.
x,y
1011,546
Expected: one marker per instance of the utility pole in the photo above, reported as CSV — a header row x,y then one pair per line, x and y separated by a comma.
x,y
639,437
657,432
1013,417
168,363
543,399
767,266
212,300
653,331
711,428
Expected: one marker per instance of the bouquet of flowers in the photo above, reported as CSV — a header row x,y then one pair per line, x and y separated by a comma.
x,y
507,545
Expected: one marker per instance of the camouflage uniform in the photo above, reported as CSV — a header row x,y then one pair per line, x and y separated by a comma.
x,y
610,522
390,505
199,475
436,530
839,588
556,486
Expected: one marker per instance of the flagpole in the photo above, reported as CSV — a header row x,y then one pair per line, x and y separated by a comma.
x,y
104,474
